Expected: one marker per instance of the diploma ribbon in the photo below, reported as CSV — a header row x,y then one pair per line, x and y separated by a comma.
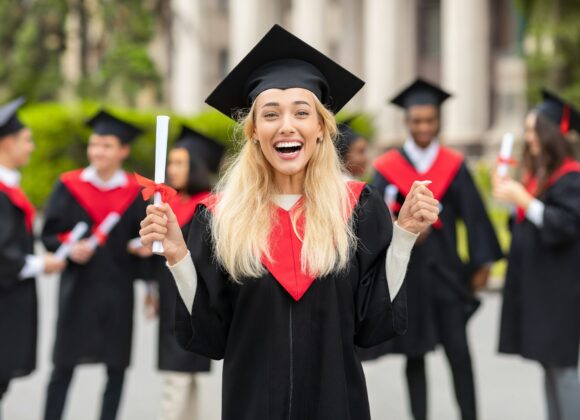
x,y
150,188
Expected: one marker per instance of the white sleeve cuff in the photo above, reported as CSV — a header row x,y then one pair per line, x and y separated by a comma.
x,y
535,213
186,279
398,256
33,266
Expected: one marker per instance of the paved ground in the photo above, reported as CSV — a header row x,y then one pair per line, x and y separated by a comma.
x,y
509,388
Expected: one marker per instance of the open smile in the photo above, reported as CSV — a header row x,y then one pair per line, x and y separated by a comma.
x,y
289,149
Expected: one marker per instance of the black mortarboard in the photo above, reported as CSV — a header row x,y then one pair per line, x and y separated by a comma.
x,y
420,92
105,124
560,112
280,60
202,147
346,136
9,121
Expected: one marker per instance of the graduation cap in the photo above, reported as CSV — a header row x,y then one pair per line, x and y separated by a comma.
x,y
280,60
105,124
346,136
9,121
202,147
560,112
420,92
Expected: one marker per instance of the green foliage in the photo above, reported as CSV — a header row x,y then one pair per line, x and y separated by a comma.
x,y
61,137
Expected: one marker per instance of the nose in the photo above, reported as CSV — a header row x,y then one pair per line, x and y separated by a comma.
x,y
287,127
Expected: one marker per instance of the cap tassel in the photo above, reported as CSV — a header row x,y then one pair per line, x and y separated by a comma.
x,y
565,121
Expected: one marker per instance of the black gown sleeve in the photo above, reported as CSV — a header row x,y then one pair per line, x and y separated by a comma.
x,y
379,183
205,331
377,318
12,256
562,212
483,245
55,217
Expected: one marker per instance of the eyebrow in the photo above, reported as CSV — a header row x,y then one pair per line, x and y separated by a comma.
x,y
277,104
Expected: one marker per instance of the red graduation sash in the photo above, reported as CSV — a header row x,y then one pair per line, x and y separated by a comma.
x,y
185,208
98,203
19,199
286,244
531,183
397,170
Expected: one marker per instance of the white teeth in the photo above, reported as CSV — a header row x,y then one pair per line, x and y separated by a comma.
x,y
289,144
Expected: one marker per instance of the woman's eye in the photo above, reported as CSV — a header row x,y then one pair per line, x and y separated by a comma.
x,y
270,115
303,113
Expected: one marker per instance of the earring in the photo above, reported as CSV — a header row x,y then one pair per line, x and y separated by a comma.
x,y
255,141
319,140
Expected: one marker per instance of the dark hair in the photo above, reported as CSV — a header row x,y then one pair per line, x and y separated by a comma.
x,y
555,148
198,179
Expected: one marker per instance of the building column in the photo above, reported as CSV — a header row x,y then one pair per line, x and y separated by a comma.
x,y
465,69
389,62
187,67
350,45
249,21
309,22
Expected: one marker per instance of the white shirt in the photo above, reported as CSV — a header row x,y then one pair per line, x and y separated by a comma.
x,y
396,262
422,159
119,179
34,264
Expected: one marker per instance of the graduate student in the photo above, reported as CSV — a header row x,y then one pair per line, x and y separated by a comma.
x,y
541,308
18,264
289,266
95,304
440,286
191,162
352,149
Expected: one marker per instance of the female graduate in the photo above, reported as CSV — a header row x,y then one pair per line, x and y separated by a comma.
x,y
288,266
352,149
191,160
541,308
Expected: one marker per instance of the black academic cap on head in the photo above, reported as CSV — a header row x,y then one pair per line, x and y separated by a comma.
x,y
280,60
9,121
202,147
346,136
560,112
420,92
105,124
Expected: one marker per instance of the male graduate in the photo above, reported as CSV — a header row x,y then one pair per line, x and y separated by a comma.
x,y
440,285
95,318
18,265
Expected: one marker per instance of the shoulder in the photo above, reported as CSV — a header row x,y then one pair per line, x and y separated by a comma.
x,y
386,158
71,176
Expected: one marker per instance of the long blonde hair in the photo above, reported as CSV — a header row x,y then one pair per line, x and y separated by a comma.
x,y
244,214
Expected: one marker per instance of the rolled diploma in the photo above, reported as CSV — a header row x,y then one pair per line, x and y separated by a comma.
x,y
76,234
105,228
505,154
160,158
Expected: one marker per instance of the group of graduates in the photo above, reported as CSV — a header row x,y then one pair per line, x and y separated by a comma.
x,y
541,310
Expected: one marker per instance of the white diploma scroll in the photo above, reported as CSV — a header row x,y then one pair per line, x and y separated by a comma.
x,y
505,154
160,158
75,235
104,229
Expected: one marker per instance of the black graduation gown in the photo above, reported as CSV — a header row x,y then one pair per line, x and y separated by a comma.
x,y
436,272
95,304
288,359
171,356
18,303
541,308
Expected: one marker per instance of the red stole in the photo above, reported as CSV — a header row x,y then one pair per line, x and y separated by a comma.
x,y
96,202
19,199
286,245
185,208
531,183
397,170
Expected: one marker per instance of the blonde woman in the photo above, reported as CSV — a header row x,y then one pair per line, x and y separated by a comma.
x,y
288,266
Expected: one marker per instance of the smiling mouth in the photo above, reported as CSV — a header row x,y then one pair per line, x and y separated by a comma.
x,y
288,147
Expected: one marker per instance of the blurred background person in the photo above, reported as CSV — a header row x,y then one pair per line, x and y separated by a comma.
x,y
353,149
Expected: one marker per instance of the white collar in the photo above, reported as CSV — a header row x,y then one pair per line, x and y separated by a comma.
x,y
286,201
119,179
422,159
9,177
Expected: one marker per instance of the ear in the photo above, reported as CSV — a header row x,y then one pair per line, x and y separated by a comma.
x,y
125,151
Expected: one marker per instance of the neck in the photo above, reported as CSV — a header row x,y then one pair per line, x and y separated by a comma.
x,y
423,146
106,174
290,184
7,163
